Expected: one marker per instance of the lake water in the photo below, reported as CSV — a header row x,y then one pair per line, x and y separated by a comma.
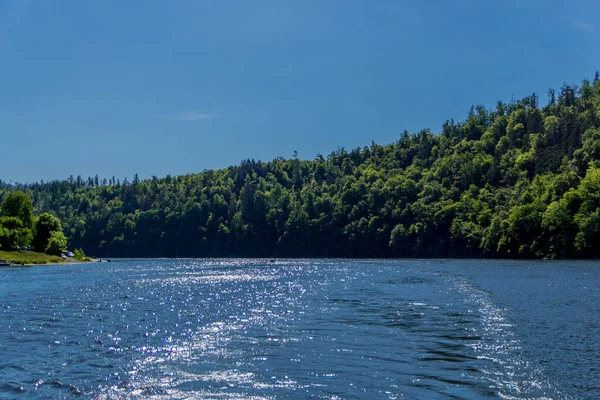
x,y
296,329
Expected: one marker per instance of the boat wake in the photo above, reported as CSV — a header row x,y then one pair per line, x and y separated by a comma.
x,y
506,370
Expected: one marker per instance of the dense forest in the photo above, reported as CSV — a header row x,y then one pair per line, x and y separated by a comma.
x,y
521,180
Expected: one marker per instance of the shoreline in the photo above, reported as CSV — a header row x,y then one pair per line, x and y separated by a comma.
x,y
29,258
56,263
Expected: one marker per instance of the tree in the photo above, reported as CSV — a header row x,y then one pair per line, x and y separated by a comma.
x,y
78,254
56,244
46,224
18,205
13,234
16,221
552,96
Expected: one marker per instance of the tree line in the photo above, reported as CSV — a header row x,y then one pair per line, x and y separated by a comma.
x,y
519,180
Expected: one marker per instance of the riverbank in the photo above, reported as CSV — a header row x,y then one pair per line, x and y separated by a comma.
x,y
31,258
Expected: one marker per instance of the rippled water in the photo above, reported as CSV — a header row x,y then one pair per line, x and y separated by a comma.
x,y
330,329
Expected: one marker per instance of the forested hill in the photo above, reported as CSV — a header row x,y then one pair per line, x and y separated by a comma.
x,y
520,180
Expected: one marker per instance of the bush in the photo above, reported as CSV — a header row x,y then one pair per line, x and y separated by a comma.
x,y
78,254
57,243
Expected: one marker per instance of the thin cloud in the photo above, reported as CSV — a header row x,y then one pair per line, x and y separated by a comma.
x,y
583,26
188,116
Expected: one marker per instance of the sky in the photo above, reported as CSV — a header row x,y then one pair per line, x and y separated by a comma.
x,y
175,87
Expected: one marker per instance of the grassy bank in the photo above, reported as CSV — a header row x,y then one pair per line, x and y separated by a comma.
x,y
29,257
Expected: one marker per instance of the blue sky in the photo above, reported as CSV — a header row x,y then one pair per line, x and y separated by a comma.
x,y
159,87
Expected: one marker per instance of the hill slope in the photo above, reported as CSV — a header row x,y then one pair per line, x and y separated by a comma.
x,y
516,181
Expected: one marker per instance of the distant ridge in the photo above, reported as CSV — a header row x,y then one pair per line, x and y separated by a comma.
x,y
520,180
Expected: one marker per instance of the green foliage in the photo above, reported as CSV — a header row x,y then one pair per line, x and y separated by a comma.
x,y
18,205
516,181
44,226
57,243
13,234
78,254
16,221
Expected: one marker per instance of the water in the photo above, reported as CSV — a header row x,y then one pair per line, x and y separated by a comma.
x,y
326,329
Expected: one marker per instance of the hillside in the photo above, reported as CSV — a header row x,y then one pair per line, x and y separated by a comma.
x,y
517,181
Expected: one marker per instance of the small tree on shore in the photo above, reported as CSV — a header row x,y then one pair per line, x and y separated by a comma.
x,y
57,243
78,254
45,225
